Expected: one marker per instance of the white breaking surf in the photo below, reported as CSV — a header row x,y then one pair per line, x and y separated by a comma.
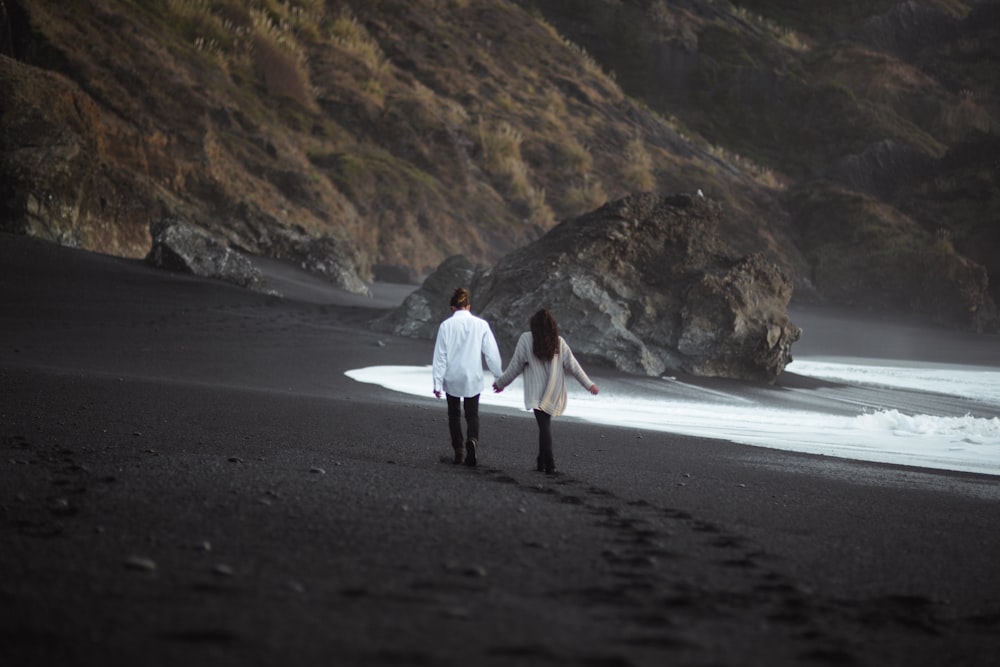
x,y
961,442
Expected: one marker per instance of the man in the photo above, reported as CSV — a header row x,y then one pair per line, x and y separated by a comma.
x,y
462,341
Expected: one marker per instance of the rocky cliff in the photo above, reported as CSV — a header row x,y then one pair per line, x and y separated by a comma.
x,y
880,114
372,140
397,132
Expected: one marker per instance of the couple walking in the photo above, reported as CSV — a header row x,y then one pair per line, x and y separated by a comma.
x,y
541,354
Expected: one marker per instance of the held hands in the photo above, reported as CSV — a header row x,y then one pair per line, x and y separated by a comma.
x,y
496,389
437,393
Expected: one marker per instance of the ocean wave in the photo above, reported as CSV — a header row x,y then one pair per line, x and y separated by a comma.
x,y
957,430
959,381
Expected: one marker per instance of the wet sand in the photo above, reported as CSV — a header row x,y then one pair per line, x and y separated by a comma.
x,y
187,477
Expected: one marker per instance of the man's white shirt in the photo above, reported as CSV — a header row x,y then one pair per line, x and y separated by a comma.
x,y
462,341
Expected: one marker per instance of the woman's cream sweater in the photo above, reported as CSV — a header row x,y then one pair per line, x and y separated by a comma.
x,y
536,375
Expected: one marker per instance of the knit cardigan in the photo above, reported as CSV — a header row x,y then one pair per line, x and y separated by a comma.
x,y
537,374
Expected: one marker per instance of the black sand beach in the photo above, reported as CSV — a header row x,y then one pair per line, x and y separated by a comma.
x,y
187,477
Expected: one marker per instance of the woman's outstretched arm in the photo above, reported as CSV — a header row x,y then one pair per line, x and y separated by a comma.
x,y
517,363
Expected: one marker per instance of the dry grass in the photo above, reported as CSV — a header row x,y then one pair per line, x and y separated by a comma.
x,y
585,195
347,32
785,36
280,59
282,73
638,171
264,37
550,118
553,102
540,214
574,157
590,65
500,149
196,21
500,144
762,175
874,76
533,138
518,178
967,116
943,243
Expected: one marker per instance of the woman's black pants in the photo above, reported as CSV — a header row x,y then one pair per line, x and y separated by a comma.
x,y
545,457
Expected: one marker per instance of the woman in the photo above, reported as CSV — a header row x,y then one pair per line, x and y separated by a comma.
x,y
544,358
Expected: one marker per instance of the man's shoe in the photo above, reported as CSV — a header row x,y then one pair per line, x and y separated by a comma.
x,y
459,456
470,453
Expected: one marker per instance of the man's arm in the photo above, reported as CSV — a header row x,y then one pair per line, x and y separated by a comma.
x,y
439,362
492,352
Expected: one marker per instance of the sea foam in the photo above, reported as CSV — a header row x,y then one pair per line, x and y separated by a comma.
x,y
959,442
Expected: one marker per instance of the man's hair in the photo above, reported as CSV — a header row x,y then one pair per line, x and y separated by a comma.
x,y
460,298
544,335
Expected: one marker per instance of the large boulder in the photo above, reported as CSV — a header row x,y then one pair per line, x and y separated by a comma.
x,y
643,284
178,246
422,311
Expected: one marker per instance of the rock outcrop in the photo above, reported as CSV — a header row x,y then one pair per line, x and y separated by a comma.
x,y
58,179
73,174
422,311
643,284
180,247
323,256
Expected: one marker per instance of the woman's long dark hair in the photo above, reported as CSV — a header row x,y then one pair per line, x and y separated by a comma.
x,y
544,335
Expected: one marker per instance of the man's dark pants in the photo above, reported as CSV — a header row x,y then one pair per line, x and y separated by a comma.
x,y
455,419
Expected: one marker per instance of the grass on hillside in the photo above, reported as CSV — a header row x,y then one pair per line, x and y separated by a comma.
x,y
366,119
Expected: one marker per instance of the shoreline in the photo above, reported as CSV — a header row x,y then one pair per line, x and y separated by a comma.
x,y
187,476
